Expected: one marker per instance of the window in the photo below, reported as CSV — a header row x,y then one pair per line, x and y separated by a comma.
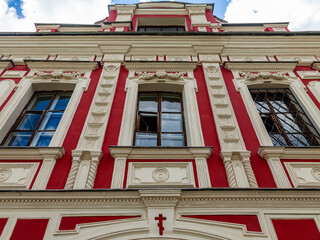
x,y
161,28
38,122
159,120
284,119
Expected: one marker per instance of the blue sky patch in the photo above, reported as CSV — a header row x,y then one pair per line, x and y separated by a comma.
x,y
220,6
17,5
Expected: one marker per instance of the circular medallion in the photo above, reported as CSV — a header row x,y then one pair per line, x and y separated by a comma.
x,y
316,173
5,174
160,175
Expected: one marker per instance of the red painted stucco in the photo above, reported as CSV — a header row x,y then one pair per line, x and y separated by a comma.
x,y
29,229
70,223
296,229
3,222
250,221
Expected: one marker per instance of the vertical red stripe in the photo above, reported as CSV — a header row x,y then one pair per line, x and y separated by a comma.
x,y
216,167
105,168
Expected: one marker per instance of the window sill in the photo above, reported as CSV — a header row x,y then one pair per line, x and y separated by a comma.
x,y
268,152
31,153
131,152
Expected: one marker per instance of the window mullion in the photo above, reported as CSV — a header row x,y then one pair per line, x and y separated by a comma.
x,y
277,121
41,119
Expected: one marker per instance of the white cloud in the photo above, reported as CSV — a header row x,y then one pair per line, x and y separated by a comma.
x,y
302,14
51,11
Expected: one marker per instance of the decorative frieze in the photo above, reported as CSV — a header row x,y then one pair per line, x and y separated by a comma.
x,y
264,75
17,175
160,174
302,60
230,138
160,75
304,174
57,75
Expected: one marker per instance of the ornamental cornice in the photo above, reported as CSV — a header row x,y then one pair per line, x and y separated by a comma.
x,y
30,153
254,66
160,152
268,152
209,198
156,66
65,65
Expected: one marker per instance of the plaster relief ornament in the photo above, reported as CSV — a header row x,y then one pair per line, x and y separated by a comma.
x,y
316,173
160,75
264,75
111,68
5,174
58,75
160,175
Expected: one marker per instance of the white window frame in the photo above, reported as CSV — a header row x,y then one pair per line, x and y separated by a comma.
x,y
270,75
45,75
162,81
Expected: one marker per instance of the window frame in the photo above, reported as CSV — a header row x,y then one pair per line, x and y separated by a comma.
x,y
24,112
159,112
161,28
311,135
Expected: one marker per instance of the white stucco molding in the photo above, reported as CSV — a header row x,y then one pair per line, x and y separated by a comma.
x,y
274,154
87,155
62,65
164,155
6,87
314,86
160,152
265,76
48,156
234,154
5,64
261,66
290,153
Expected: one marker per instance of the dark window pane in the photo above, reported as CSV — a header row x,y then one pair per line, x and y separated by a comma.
x,y
51,121
148,102
146,139
181,29
141,29
40,102
61,101
172,140
153,29
18,139
171,122
170,103
42,139
169,29
29,122
148,122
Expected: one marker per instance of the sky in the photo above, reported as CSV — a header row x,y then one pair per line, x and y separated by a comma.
x,y
20,15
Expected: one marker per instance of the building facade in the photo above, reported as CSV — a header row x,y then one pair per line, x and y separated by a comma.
x,y
161,121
